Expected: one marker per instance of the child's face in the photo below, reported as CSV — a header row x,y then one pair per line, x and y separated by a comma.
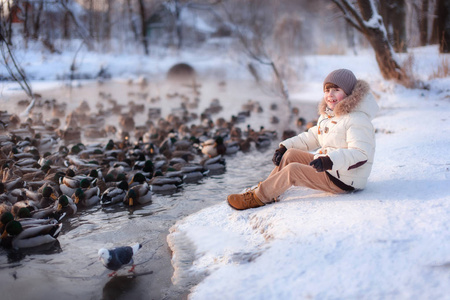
x,y
333,95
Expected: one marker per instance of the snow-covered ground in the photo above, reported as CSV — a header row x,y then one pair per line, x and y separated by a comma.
x,y
390,241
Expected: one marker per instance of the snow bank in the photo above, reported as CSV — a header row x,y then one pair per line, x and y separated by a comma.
x,y
390,240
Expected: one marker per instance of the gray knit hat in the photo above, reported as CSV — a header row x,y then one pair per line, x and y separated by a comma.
x,y
343,78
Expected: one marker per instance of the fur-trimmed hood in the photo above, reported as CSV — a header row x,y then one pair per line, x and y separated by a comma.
x,y
361,99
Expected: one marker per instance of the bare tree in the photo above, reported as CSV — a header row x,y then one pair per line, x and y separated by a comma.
x,y
91,19
25,17
143,16
252,30
370,24
82,31
15,71
423,22
394,17
66,25
132,21
6,14
176,8
441,29
108,23
37,20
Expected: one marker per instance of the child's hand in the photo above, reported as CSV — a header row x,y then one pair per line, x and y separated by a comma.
x,y
322,163
276,159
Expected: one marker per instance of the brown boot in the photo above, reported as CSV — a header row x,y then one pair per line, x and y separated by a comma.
x,y
244,201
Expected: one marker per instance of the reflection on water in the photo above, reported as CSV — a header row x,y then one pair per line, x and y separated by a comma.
x,y
71,263
15,256
117,286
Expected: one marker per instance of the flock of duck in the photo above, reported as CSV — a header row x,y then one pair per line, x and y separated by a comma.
x,y
47,174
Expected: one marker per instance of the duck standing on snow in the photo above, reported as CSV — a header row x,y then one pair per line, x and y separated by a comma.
x,y
116,258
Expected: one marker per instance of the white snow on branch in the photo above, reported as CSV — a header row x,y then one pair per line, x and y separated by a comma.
x,y
376,22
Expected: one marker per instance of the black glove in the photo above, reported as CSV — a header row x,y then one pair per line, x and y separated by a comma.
x,y
322,163
278,155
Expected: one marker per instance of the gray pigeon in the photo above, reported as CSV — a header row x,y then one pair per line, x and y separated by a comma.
x,y
116,258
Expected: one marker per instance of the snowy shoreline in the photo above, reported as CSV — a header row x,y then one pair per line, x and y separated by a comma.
x,y
388,241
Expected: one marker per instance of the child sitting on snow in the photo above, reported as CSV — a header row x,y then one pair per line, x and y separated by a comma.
x,y
344,138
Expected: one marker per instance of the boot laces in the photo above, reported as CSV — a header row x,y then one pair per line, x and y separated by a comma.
x,y
249,197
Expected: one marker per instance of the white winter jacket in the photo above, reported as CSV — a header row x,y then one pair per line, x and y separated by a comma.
x,y
347,136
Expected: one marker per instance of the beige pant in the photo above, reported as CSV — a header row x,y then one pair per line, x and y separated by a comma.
x,y
294,169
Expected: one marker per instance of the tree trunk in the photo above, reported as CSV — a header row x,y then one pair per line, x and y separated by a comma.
x,y
389,67
9,33
423,23
78,25
91,19
178,28
37,21
107,26
132,23
66,26
26,15
143,26
441,28
399,25
394,18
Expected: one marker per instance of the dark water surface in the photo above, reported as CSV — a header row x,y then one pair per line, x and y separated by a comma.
x,y
70,269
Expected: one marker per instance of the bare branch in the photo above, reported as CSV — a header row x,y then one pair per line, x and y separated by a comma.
x,y
347,17
354,13
256,51
81,30
244,41
20,76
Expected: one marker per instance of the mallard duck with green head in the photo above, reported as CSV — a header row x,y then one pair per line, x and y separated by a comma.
x,y
114,194
5,218
20,236
138,194
146,168
137,179
68,184
86,197
44,197
66,205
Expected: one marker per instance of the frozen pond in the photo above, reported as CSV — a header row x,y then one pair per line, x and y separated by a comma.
x,y
69,269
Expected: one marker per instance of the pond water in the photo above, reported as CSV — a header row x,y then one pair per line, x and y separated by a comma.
x,y
69,269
